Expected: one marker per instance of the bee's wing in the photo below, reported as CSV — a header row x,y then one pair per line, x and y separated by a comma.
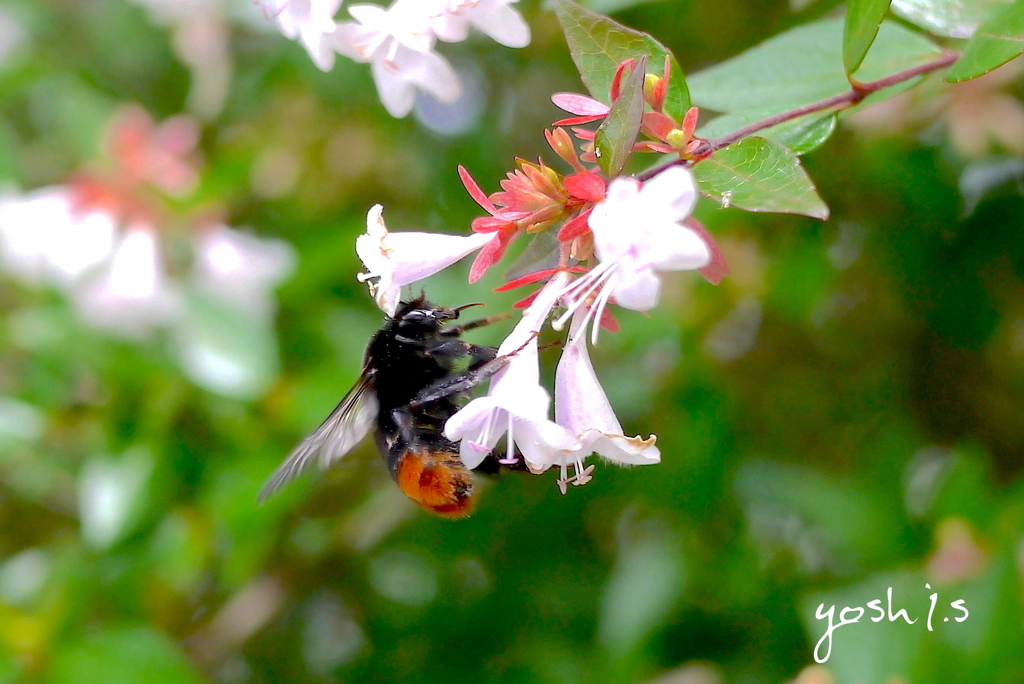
x,y
344,428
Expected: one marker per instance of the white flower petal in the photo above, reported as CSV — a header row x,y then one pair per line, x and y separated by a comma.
x,y
43,236
312,22
544,443
348,38
500,22
620,191
636,289
449,27
320,48
431,72
637,232
132,296
580,402
372,17
396,92
621,449
582,407
398,259
675,188
469,426
682,250
535,315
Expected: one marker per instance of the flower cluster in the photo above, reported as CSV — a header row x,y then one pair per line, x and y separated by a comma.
x,y
664,134
614,239
104,240
398,42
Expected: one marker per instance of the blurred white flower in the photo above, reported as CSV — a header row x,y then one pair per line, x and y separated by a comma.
x,y
637,233
131,295
393,260
582,407
398,44
241,269
12,34
200,36
112,495
516,403
450,20
225,337
309,21
44,237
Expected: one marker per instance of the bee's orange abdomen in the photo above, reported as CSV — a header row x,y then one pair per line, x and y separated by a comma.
x,y
437,481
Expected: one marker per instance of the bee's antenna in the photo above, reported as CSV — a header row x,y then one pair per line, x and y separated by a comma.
x,y
467,306
459,329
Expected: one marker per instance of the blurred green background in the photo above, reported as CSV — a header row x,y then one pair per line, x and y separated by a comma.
x,y
843,414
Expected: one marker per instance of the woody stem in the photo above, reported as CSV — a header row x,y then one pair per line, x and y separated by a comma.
x,y
836,103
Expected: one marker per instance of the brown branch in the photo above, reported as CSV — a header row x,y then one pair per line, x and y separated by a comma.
x,y
836,103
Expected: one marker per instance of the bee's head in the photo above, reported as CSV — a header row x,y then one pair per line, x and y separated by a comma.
x,y
421,316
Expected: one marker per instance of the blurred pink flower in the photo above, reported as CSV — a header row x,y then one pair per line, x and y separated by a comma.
x,y
163,155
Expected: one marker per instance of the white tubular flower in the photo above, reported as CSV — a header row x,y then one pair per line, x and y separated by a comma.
x,y
242,269
398,259
516,403
637,233
311,22
450,20
131,296
582,407
398,44
43,236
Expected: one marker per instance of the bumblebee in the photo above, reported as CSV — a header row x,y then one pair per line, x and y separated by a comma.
x,y
408,389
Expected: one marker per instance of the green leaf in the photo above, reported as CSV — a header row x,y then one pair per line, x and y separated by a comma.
x,y
801,135
759,175
953,18
863,18
599,45
617,133
866,651
999,39
801,66
137,655
609,6
805,135
648,578
832,520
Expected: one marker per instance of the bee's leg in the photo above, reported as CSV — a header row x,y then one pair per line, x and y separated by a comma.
x,y
457,330
450,349
460,382
480,356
